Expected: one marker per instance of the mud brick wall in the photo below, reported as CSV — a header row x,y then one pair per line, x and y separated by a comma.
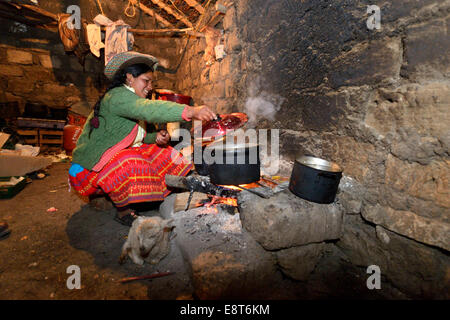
x,y
374,101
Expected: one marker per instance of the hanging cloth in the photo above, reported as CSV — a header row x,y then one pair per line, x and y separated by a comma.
x,y
117,39
95,38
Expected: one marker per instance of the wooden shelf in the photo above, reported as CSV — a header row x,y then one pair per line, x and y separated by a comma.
x,y
41,137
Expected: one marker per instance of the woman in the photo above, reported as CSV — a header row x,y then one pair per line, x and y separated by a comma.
x,y
114,155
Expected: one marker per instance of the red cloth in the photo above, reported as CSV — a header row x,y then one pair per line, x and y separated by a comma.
x,y
134,175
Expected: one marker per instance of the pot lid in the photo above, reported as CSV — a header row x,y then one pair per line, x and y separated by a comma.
x,y
223,125
319,164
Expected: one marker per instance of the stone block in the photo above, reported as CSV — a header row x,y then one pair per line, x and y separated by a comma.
x,y
429,182
20,86
285,220
372,62
359,159
350,194
19,56
214,72
416,270
425,48
408,224
232,43
55,89
49,62
413,119
230,19
219,89
299,262
11,70
228,66
225,261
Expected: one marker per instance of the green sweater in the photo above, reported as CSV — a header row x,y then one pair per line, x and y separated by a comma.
x,y
119,111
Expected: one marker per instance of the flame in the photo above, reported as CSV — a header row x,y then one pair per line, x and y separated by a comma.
x,y
215,200
247,186
229,201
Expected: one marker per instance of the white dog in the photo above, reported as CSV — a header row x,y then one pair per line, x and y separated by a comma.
x,y
148,240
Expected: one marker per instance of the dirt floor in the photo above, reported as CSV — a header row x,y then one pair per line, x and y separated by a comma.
x,y
42,245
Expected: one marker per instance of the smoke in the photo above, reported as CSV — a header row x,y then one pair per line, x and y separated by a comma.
x,y
260,104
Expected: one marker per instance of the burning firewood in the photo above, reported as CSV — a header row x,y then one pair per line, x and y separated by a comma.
x,y
200,184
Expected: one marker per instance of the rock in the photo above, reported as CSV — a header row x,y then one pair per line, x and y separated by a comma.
x,y
286,220
382,234
19,56
225,261
416,270
20,86
377,61
299,262
424,47
226,275
406,223
429,182
50,62
11,70
411,118
350,195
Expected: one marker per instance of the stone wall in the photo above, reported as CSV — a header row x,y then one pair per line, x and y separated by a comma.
x,y
374,101
208,80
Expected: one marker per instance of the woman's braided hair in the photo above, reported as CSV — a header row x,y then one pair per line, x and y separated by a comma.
x,y
119,79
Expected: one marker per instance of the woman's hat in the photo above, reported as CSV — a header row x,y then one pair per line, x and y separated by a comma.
x,y
128,58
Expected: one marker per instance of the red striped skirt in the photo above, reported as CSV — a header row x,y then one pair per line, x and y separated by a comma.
x,y
133,175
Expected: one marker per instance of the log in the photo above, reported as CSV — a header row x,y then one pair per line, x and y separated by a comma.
x,y
176,14
181,200
152,13
197,6
199,184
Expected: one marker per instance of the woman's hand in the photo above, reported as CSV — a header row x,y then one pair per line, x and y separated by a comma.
x,y
162,138
201,113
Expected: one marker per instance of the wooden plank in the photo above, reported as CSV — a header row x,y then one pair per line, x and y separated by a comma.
x,y
153,14
197,6
50,141
51,132
41,11
176,14
31,141
182,199
27,132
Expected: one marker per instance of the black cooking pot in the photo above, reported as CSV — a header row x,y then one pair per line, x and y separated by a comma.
x,y
315,179
238,164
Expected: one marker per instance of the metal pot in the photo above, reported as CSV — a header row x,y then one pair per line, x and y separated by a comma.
x,y
315,179
239,164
